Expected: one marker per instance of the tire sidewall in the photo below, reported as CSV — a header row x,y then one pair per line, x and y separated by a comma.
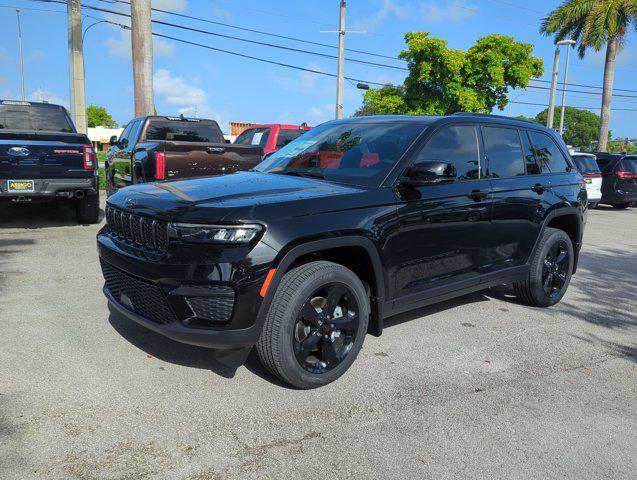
x,y
293,372
553,236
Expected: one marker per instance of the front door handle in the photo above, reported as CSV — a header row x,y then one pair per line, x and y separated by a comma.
x,y
538,188
477,195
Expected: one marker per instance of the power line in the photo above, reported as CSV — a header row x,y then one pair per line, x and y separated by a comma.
x,y
260,32
582,91
585,86
232,37
585,108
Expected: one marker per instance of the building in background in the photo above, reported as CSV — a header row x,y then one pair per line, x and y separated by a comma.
x,y
100,137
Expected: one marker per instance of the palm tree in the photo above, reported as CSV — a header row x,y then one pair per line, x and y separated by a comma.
x,y
595,24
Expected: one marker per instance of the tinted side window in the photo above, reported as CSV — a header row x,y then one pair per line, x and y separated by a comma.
x,y
286,136
547,153
504,151
123,138
134,132
254,136
457,145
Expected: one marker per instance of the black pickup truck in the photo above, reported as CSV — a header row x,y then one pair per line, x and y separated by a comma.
x,y
159,148
43,158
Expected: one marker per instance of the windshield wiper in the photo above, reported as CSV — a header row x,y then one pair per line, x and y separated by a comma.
x,y
299,174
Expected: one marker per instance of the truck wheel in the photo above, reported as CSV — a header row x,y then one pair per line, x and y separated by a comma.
x,y
551,269
315,326
88,208
620,206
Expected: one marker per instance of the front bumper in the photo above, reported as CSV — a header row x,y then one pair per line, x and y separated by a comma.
x,y
49,187
159,293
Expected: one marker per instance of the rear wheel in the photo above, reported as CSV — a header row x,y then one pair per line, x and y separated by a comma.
x,y
88,208
550,272
620,206
315,326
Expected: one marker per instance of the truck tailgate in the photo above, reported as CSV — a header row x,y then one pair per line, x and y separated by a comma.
x,y
42,155
194,159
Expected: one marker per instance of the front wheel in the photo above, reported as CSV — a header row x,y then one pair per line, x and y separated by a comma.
x,y
315,326
551,269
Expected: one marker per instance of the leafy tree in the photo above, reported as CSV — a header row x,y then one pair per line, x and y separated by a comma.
x,y
99,117
595,24
581,127
442,81
528,119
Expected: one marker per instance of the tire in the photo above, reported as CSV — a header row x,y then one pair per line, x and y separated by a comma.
x,y
286,330
532,291
592,205
620,206
87,209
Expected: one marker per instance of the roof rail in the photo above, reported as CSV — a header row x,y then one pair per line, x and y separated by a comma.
x,y
488,115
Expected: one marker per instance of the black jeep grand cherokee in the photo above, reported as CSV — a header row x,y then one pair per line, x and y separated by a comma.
x,y
357,220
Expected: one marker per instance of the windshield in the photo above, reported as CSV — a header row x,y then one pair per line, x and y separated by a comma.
x,y
183,131
51,118
585,164
628,164
354,153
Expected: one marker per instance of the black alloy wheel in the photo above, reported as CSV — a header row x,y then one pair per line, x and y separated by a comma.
x,y
555,269
326,328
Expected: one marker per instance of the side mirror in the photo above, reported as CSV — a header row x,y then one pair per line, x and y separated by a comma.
x,y
113,141
429,173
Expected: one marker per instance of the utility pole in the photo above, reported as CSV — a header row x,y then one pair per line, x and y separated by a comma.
x,y
568,44
76,65
17,11
142,46
341,60
549,117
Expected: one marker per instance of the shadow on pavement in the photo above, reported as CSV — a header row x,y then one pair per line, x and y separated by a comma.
x,y
60,213
178,353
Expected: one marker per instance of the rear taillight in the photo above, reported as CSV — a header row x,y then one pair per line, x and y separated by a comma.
x,y
623,174
160,166
88,156
592,175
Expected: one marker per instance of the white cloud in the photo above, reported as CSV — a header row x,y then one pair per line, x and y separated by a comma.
x,y
178,92
121,47
320,113
447,12
301,82
221,13
389,8
42,95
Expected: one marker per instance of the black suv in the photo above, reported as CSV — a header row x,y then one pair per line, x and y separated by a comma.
x,y
357,220
619,178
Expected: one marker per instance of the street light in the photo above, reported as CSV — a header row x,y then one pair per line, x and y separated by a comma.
x,y
91,25
556,59
568,44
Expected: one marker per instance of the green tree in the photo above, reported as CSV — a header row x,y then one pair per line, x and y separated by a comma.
x,y
581,127
442,81
595,24
99,117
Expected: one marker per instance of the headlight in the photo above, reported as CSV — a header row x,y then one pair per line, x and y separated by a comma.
x,y
237,234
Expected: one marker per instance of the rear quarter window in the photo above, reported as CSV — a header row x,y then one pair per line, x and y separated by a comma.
x,y
548,155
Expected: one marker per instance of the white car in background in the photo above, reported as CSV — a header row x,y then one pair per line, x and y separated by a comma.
x,y
586,163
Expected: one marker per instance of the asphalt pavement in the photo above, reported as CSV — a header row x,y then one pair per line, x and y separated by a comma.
x,y
478,387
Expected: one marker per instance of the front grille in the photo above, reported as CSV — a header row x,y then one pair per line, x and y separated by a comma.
x,y
214,308
143,298
136,230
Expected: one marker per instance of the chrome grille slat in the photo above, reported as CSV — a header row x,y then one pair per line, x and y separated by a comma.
x,y
137,231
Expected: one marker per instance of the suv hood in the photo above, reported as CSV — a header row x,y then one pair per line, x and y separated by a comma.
x,y
242,191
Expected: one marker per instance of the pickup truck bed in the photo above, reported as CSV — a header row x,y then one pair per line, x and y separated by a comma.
x,y
164,148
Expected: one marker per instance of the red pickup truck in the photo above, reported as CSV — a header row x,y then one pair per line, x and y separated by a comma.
x,y
271,137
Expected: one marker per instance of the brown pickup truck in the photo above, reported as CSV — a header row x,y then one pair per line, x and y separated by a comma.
x,y
157,148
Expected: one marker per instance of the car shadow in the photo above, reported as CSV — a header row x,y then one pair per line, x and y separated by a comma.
x,y
170,351
60,213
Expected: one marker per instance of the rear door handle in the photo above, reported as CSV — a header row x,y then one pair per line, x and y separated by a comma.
x,y
216,149
477,195
539,189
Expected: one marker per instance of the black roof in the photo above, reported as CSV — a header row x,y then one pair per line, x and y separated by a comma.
x,y
28,103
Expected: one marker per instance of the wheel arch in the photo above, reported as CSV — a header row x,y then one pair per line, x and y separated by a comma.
x,y
569,220
357,253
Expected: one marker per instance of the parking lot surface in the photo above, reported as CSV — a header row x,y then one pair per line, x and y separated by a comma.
x,y
477,387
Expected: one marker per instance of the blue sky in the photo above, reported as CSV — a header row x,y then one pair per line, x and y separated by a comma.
x,y
228,88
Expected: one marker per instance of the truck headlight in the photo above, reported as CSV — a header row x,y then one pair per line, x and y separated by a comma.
x,y
195,233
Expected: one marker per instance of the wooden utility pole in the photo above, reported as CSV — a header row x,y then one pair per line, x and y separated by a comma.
x,y
76,65
142,45
341,58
